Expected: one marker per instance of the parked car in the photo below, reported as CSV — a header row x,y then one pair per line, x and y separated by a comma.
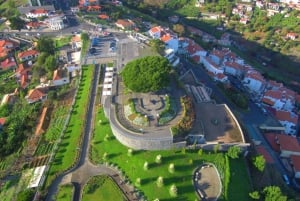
x,y
286,179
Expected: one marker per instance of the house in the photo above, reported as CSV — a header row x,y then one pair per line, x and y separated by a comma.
x,y
75,9
211,66
60,77
233,68
33,25
254,81
170,41
287,119
28,55
6,46
166,35
55,22
291,35
87,2
280,99
220,77
37,94
218,56
38,12
76,41
295,162
22,69
9,98
125,24
288,145
24,81
8,63
225,40
273,85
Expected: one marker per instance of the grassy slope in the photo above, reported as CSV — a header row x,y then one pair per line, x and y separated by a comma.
x,y
67,149
107,190
133,165
65,193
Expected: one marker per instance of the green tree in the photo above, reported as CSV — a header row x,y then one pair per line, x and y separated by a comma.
x,y
16,23
273,193
147,74
50,63
234,152
26,195
259,162
46,45
84,36
42,58
5,110
157,45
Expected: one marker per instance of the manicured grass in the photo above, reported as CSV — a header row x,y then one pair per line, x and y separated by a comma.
x,y
67,152
102,188
65,193
238,176
185,162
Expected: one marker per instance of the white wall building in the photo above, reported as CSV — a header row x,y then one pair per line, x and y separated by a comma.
x,y
254,81
211,66
55,23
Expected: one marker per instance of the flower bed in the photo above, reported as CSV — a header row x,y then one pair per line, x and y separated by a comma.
x,y
169,112
133,116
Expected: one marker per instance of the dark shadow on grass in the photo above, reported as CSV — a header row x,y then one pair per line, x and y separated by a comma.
x,y
113,155
171,158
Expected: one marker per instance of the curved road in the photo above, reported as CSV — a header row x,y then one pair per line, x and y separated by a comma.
x,y
84,169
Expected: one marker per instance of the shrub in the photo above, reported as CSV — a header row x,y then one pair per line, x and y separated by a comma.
x,y
145,166
173,190
171,168
158,159
160,182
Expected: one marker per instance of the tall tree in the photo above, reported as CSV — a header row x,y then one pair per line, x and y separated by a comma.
x,y
46,45
16,23
147,74
157,45
259,162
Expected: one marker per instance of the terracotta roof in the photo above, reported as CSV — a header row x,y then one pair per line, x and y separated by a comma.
x,y
193,47
234,65
296,162
33,24
281,115
39,11
124,23
2,121
255,75
275,94
8,62
268,101
166,37
273,83
288,143
155,29
211,62
58,74
24,79
261,150
36,94
271,140
220,76
4,43
220,53
103,16
27,53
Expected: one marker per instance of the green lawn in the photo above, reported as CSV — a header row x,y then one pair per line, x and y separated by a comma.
x,y
65,193
62,41
102,188
67,152
185,162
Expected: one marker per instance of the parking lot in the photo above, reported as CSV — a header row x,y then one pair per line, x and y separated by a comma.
x,y
102,47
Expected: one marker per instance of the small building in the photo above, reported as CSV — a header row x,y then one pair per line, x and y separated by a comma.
x,y
125,24
76,41
103,17
254,81
33,25
35,95
28,55
287,119
211,66
38,12
60,77
292,35
55,23
8,63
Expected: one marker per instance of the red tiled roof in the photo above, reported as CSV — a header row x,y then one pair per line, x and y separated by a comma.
x,y
166,37
8,62
76,38
288,143
2,121
155,29
27,53
233,65
5,43
24,79
124,23
281,115
220,76
271,140
261,150
296,162
39,11
273,83
196,58
193,47
268,101
103,16
273,94
58,74
255,76
36,94
33,24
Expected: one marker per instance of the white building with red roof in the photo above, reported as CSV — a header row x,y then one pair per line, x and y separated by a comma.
x,y
28,55
37,94
254,81
191,49
38,12
233,68
287,119
218,56
280,99
166,35
170,55
8,63
211,66
220,77
60,77
291,35
125,24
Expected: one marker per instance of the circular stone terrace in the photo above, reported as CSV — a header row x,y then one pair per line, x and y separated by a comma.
x,y
207,182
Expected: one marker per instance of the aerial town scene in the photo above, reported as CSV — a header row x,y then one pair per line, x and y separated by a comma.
x,y
149,100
